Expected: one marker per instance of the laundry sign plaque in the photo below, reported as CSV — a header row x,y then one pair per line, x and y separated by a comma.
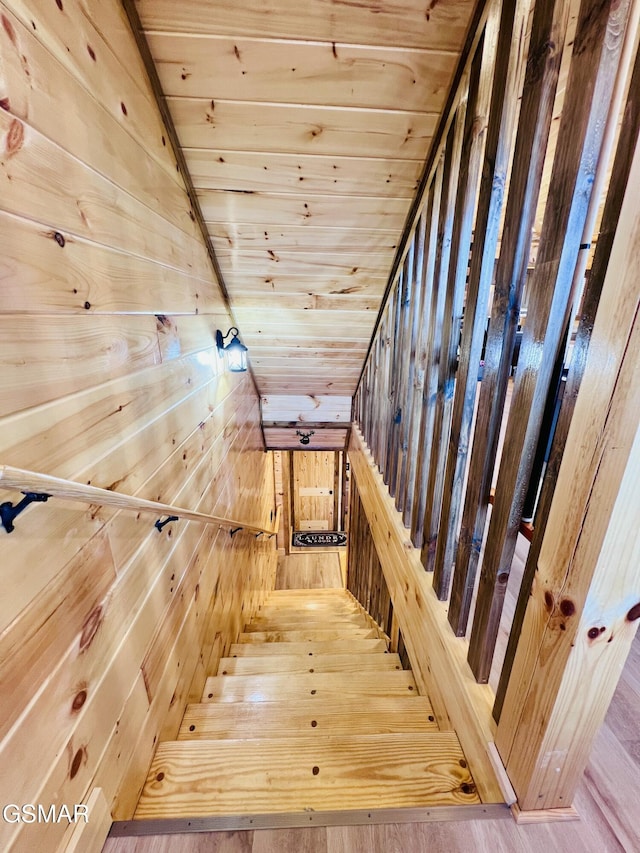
x,y
319,538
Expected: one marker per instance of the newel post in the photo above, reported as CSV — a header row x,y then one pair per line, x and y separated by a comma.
x,y
585,603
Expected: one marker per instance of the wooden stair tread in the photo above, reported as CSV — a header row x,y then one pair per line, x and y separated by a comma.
x,y
278,687
201,777
307,601
282,623
304,663
337,716
307,606
291,614
307,647
343,633
320,592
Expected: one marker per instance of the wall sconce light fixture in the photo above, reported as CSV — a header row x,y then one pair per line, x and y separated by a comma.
x,y
305,437
235,352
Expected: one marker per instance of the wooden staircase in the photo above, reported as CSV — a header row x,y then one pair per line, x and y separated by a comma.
x,y
309,713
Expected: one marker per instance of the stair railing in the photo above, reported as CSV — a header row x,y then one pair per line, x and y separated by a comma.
x,y
40,487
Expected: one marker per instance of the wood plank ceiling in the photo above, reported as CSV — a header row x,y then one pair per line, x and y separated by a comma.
x,y
305,125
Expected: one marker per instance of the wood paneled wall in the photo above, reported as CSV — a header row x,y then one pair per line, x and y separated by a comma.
x,y
108,312
498,177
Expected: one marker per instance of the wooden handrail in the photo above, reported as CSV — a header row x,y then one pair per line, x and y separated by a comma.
x,y
43,484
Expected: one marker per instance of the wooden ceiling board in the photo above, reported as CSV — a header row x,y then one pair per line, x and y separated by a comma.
x,y
267,262
310,359
230,125
261,288
293,72
285,438
293,320
305,125
272,172
413,23
306,408
311,386
294,209
307,301
248,236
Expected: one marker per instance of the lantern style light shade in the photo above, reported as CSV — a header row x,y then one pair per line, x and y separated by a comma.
x,y
235,352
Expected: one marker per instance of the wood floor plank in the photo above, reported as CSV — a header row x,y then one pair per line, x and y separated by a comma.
x,y
303,663
309,647
336,716
271,688
191,778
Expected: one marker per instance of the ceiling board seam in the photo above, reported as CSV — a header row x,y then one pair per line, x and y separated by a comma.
x,y
332,45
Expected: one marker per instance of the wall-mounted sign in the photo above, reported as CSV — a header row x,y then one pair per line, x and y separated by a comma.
x,y
319,538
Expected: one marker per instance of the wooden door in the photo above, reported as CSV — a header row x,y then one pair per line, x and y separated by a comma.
x,y
315,489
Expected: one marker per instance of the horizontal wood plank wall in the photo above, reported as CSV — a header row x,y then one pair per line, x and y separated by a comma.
x,y
108,314
518,158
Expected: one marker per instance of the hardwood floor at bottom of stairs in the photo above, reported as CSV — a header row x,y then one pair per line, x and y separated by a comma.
x,y
192,778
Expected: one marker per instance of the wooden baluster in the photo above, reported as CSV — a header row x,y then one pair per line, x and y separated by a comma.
x,y
417,250
422,467
402,367
507,82
545,53
408,479
393,377
436,317
470,163
374,391
629,133
589,88
384,383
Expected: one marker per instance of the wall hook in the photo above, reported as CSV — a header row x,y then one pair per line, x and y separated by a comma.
x,y
8,511
160,524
